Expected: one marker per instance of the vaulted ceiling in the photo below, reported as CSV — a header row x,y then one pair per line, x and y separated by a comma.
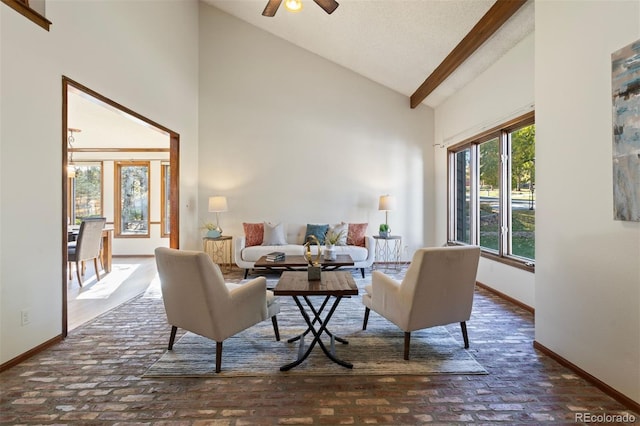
x,y
396,43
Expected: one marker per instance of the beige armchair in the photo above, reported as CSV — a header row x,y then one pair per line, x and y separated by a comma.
x,y
436,290
197,299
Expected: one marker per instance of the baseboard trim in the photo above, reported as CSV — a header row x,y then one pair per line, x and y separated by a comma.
x,y
23,357
507,298
621,398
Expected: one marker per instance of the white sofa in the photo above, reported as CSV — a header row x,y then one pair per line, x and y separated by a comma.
x,y
246,257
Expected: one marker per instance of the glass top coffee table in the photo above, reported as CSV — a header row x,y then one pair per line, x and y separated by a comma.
x,y
337,284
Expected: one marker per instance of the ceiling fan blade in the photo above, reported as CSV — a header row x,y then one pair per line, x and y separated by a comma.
x,y
328,5
271,8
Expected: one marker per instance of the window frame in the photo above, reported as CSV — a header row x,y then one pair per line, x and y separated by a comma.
x,y
165,220
502,132
118,198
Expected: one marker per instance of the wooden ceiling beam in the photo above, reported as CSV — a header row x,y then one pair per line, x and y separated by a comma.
x,y
495,17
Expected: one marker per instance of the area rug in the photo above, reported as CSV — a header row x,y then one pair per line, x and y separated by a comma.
x,y
375,351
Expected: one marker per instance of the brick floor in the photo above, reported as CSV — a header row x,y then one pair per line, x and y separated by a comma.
x,y
94,378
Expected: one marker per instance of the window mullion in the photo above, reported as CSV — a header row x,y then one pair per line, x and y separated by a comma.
x,y
505,194
474,204
453,217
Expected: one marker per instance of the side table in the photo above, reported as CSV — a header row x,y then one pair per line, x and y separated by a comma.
x,y
388,251
220,250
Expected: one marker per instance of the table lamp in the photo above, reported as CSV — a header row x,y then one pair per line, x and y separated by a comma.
x,y
386,203
218,204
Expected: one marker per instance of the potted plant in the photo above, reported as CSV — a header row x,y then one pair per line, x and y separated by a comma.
x,y
384,230
330,240
212,230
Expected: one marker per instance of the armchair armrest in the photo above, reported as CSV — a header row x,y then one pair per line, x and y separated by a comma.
x,y
386,298
383,285
248,303
239,245
370,244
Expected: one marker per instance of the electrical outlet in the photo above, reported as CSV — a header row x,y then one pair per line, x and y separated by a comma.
x,y
24,317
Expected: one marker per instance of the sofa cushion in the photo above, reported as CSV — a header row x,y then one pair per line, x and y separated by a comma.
x,y
252,254
356,234
317,230
273,235
357,253
254,233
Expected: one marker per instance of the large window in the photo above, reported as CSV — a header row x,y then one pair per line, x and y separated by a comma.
x,y
85,186
492,192
132,199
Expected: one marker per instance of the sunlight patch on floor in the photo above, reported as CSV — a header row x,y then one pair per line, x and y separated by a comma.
x,y
109,283
153,291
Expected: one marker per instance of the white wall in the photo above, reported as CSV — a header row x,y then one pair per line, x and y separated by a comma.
x,y
502,92
142,55
289,137
588,265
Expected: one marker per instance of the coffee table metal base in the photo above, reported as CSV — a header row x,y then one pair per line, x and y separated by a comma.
x,y
317,333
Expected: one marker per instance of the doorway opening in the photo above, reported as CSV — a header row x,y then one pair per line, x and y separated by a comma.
x,y
123,166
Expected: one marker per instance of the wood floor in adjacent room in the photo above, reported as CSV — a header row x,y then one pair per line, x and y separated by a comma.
x,y
94,377
129,277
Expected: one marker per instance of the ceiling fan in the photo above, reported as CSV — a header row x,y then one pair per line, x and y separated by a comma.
x,y
272,6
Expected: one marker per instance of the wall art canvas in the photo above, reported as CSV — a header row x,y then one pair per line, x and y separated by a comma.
x,y
625,74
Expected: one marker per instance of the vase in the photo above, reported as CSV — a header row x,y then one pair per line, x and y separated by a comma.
x,y
330,252
214,233
384,234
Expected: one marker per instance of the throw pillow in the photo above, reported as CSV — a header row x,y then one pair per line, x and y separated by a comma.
x,y
273,235
356,234
341,229
254,233
318,230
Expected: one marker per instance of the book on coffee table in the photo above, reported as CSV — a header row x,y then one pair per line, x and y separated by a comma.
x,y
275,256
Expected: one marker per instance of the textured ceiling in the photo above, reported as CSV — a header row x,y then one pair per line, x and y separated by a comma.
x,y
396,43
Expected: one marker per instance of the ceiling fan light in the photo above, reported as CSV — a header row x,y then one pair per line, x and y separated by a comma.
x,y
293,5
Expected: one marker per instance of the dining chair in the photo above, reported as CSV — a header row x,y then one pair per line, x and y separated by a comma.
x,y
87,246
197,299
437,289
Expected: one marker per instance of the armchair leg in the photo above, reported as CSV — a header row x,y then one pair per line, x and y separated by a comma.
x,y
246,272
362,272
218,356
274,321
366,318
172,338
407,342
463,326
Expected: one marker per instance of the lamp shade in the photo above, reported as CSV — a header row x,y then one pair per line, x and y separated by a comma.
x,y
387,202
218,204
